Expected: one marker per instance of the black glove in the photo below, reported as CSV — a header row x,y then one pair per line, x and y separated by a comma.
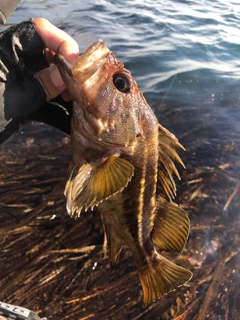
x,y
21,95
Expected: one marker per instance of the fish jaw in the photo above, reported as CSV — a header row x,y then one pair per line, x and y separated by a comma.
x,y
65,69
110,115
90,61
76,77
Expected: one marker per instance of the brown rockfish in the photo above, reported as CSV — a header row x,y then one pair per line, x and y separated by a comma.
x,y
123,162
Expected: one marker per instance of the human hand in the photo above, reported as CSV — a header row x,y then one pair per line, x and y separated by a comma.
x,y
28,77
56,41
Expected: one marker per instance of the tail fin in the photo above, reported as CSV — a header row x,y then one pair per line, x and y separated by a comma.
x,y
161,277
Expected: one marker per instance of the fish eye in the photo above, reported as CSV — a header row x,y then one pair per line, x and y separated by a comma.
x,y
121,82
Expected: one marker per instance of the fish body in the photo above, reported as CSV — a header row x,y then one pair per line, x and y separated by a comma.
x,y
123,162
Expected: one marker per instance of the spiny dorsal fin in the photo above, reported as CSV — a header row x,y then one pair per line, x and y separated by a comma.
x,y
160,277
171,227
94,182
166,167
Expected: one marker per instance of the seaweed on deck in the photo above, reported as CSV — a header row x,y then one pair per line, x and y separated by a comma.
x,y
55,265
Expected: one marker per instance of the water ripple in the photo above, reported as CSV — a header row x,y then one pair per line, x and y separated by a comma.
x,y
157,40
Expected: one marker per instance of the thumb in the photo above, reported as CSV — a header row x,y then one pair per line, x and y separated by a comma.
x,y
51,82
56,41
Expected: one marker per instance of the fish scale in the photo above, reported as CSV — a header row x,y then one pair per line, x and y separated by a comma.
x,y
123,163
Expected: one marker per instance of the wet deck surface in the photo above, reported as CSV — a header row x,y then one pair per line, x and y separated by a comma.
x,y
54,265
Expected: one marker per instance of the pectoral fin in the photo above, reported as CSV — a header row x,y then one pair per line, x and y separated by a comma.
x,y
166,167
72,171
95,182
171,227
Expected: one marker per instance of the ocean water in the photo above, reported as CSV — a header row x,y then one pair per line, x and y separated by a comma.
x,y
185,57
183,54
178,50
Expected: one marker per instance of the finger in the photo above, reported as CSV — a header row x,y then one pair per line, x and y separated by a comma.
x,y
57,40
51,82
49,54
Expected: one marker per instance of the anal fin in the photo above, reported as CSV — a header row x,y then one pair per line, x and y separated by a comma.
x,y
161,277
171,226
114,243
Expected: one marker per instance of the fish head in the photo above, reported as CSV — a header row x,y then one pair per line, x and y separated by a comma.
x,y
108,101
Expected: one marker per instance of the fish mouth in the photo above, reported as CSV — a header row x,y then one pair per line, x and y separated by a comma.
x,y
87,64
83,81
90,61
64,67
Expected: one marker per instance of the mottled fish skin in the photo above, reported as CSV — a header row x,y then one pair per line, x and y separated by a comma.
x,y
123,162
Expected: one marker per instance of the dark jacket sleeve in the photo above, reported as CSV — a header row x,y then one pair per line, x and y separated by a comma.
x,y
20,93
6,9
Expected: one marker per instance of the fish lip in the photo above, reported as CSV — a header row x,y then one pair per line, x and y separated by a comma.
x,y
90,61
65,69
64,66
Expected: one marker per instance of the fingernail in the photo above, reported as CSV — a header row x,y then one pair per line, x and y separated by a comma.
x,y
56,78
